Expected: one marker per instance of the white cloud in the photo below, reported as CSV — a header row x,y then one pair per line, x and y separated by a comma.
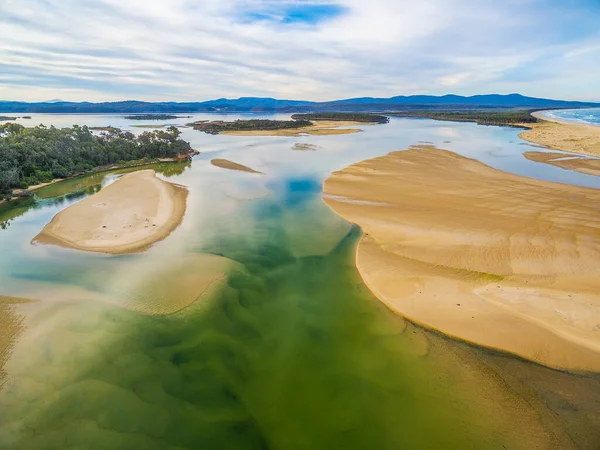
x,y
198,50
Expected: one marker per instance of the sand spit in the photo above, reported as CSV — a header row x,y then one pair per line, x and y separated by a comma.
x,y
226,164
486,256
136,211
582,164
319,128
557,135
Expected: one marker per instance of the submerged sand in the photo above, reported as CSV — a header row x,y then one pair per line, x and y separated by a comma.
x,y
136,211
319,128
558,135
496,259
581,164
226,164
11,325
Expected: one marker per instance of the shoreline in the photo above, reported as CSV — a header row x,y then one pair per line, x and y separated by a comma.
x,y
114,223
319,128
506,296
94,171
557,134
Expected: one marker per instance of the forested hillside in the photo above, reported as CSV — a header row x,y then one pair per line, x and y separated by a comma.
x,y
30,156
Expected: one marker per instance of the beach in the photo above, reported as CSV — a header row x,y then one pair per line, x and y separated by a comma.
x,y
492,258
560,135
131,214
319,128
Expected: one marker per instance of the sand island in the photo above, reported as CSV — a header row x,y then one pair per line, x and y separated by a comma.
x,y
493,258
230,165
300,124
136,211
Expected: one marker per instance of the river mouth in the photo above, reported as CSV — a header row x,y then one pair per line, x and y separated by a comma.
x,y
288,350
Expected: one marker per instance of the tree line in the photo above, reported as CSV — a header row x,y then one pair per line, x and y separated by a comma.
x,y
483,117
343,116
30,156
218,126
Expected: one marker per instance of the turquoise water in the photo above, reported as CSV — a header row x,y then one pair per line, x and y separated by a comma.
x,y
288,351
588,116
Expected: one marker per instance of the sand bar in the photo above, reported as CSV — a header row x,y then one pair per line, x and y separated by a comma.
x,y
319,128
503,261
559,135
581,164
226,164
136,211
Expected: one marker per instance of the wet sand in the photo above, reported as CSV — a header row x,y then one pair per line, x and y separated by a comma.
x,y
581,164
226,164
558,135
131,214
492,258
319,128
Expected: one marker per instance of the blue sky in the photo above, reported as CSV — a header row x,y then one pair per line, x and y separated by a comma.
x,y
193,50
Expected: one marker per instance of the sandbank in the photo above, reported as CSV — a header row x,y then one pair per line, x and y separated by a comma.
x,y
489,257
559,135
226,164
136,211
319,128
582,164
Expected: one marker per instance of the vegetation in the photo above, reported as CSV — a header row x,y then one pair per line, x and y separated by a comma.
x,y
4,118
30,156
344,116
484,117
218,126
152,117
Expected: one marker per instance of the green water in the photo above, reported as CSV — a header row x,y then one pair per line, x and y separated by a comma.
x,y
289,353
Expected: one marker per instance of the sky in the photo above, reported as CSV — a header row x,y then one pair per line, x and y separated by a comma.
x,y
196,50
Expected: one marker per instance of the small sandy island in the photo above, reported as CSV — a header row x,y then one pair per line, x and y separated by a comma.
x,y
558,135
499,260
319,128
136,211
226,164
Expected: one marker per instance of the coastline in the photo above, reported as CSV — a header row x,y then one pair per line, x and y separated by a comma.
x,y
561,135
458,252
128,216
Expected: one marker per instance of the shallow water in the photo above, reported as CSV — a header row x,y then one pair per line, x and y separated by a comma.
x,y
289,351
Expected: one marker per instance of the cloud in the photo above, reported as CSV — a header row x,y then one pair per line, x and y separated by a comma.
x,y
318,50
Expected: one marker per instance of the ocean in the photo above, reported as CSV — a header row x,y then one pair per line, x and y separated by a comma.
x,y
588,116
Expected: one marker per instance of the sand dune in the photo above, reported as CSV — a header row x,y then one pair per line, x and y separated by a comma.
x,y
226,164
136,211
582,164
557,135
493,258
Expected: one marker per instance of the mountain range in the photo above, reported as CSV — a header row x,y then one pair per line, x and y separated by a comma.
x,y
257,104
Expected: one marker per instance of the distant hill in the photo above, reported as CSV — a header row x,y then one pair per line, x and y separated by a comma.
x,y
257,104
